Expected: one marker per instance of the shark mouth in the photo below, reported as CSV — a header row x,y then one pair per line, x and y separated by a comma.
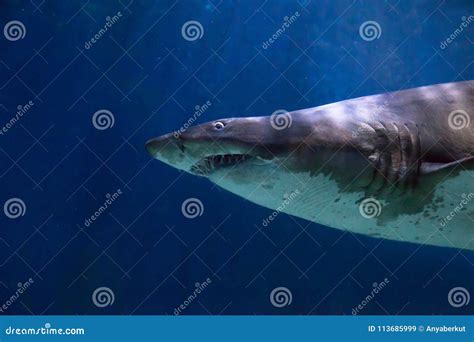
x,y
211,163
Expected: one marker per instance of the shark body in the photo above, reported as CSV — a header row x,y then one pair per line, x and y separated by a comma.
x,y
397,165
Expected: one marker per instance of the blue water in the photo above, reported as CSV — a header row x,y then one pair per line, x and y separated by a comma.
x,y
151,79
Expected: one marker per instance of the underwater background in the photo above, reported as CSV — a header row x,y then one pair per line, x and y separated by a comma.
x,y
92,81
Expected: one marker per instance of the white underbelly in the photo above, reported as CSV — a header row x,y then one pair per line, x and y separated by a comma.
x,y
321,200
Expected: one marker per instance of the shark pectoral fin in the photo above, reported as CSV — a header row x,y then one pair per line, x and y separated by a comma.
x,y
439,168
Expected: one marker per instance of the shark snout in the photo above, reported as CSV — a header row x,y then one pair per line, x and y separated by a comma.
x,y
162,145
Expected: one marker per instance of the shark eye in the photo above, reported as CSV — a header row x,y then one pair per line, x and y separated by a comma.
x,y
218,125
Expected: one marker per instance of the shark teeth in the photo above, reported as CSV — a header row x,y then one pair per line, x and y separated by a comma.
x,y
211,163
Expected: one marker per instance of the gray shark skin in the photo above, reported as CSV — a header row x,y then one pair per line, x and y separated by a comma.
x,y
398,166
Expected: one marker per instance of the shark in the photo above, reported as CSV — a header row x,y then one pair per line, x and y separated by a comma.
x,y
397,165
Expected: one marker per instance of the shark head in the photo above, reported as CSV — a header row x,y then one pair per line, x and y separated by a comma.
x,y
267,159
233,150
224,145
251,152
